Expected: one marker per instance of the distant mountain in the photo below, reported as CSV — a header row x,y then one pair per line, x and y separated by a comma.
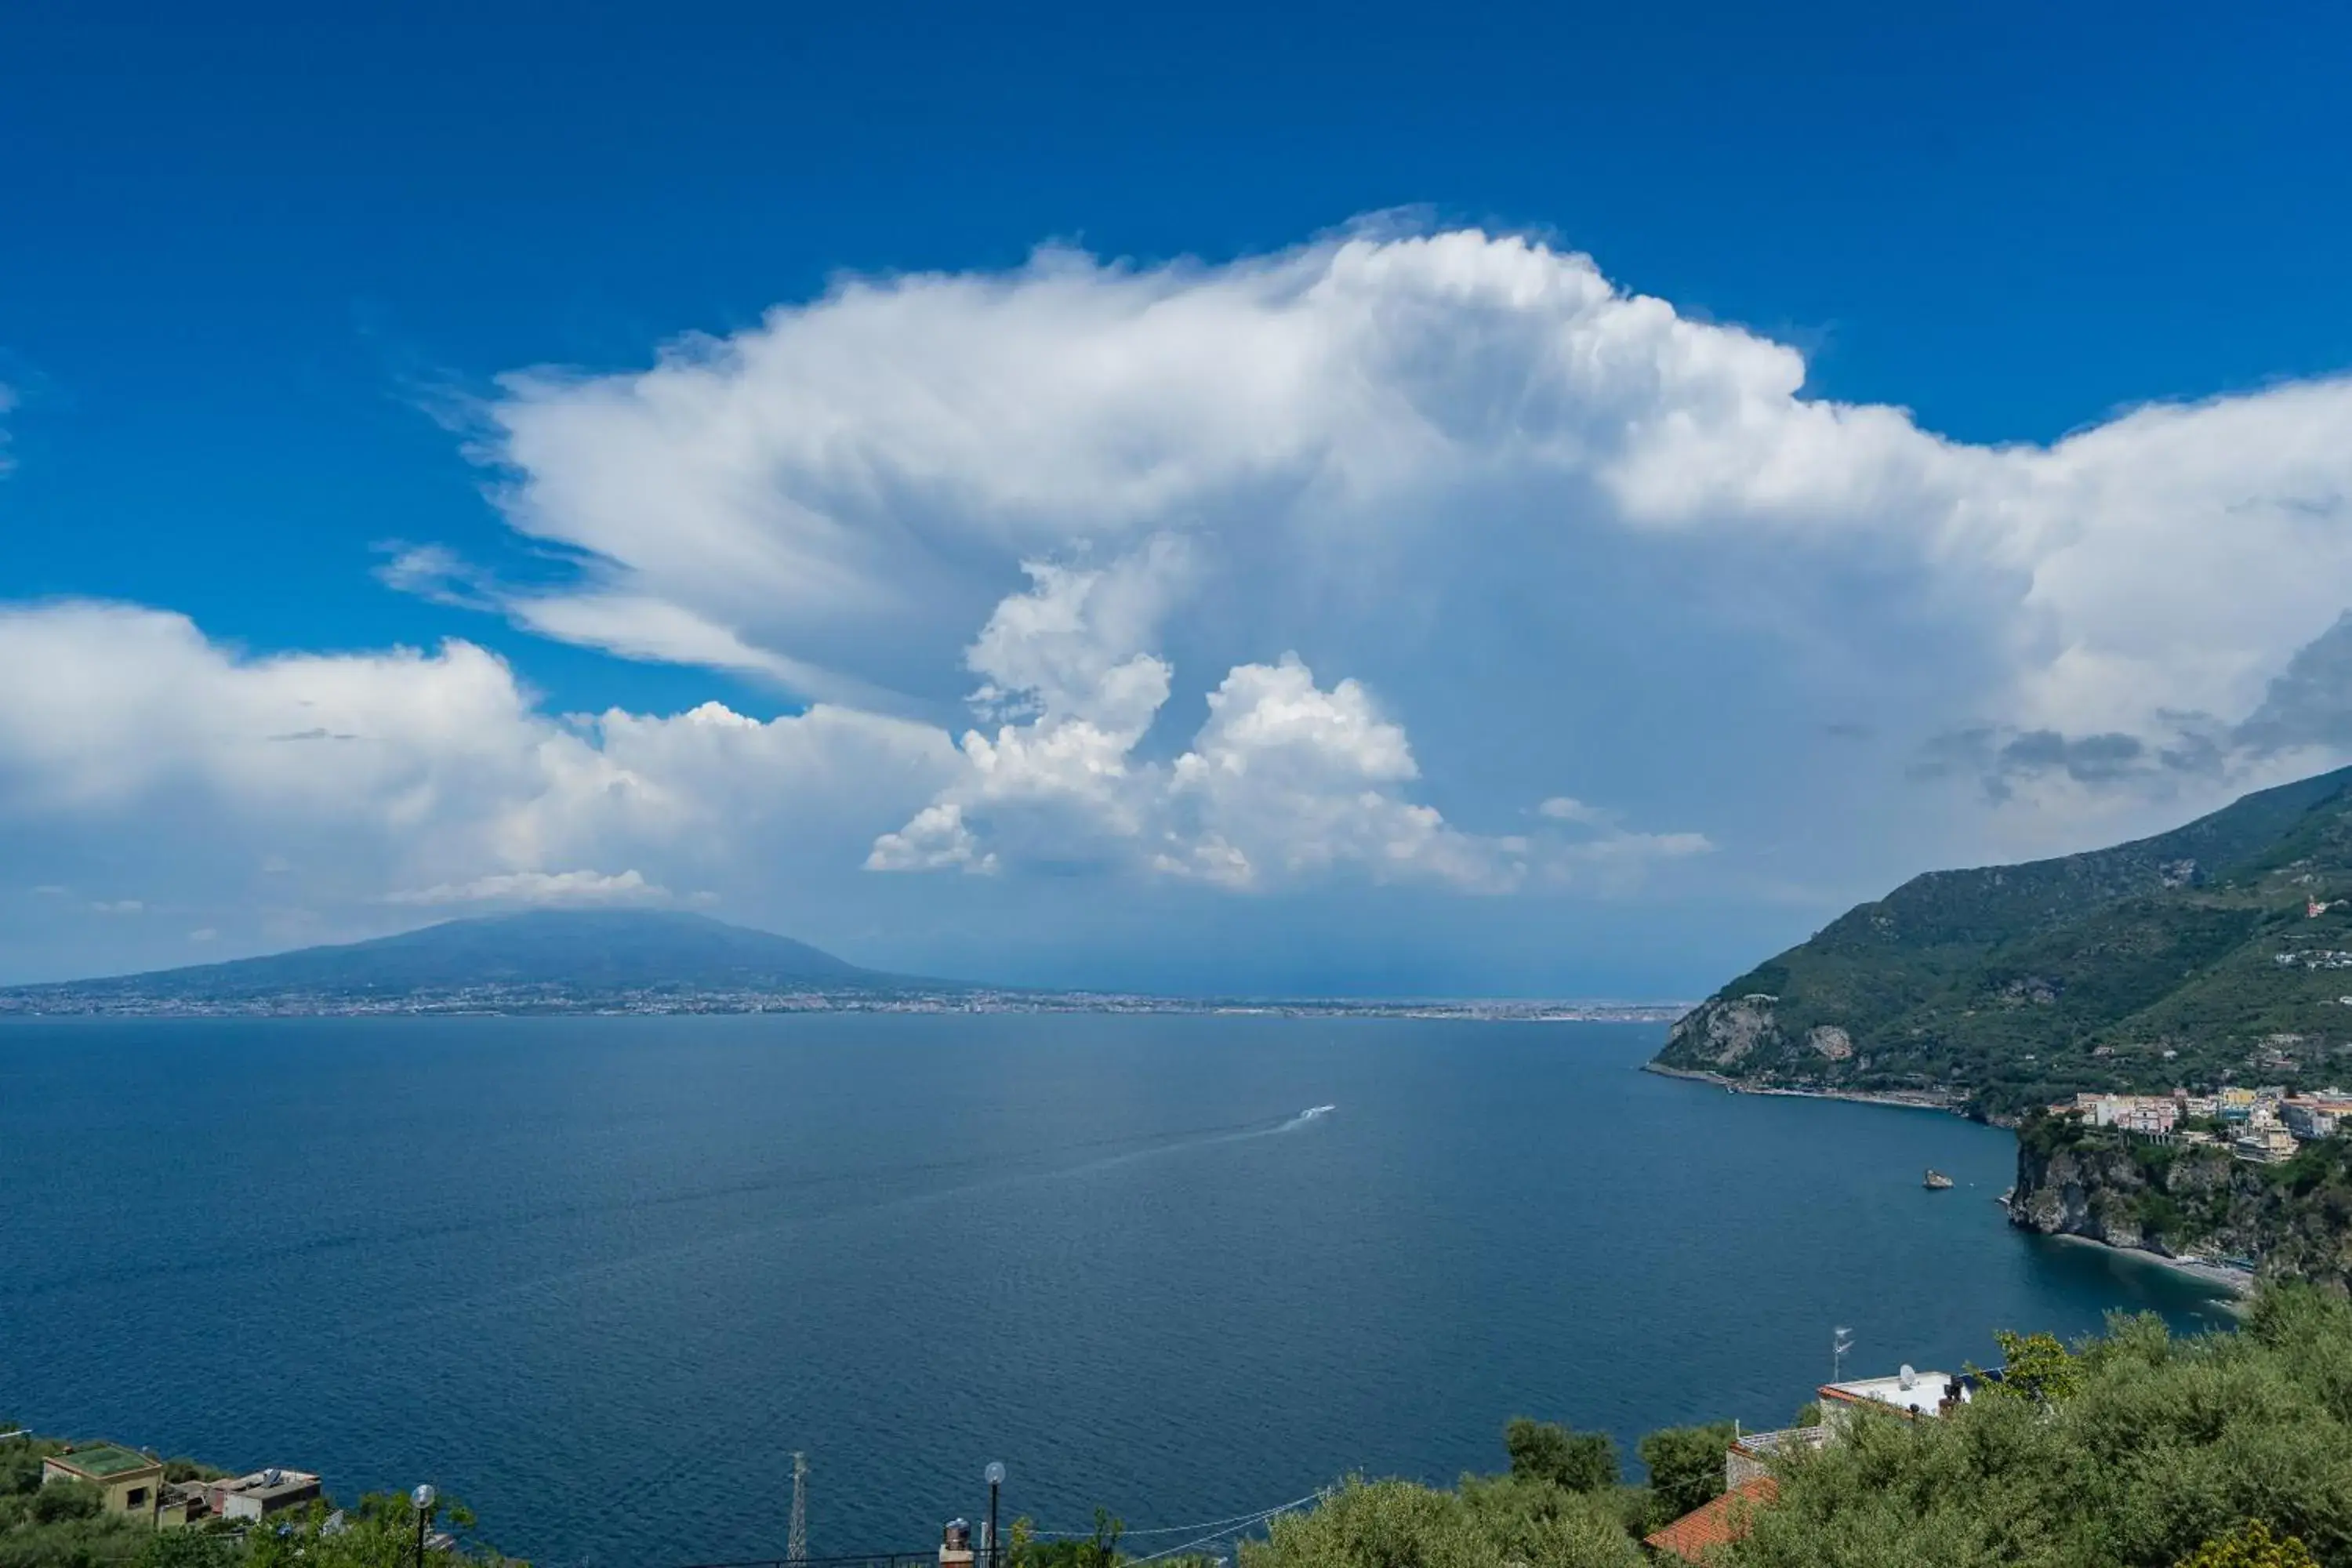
x,y
547,956
2176,959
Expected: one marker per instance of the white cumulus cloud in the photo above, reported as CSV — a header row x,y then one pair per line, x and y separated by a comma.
x,y
1287,780
1398,453
312,788
1375,560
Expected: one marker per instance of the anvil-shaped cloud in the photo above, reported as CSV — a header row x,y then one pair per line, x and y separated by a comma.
x,y
1147,575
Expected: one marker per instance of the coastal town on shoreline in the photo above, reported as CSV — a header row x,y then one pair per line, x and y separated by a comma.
x,y
2265,1125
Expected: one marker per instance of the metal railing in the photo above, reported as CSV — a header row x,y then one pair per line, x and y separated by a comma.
x,y
1788,1438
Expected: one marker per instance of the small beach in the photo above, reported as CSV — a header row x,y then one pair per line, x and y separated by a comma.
x,y
2238,1284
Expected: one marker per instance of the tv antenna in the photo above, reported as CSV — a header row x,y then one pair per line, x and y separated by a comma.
x,y
796,1542
1840,1341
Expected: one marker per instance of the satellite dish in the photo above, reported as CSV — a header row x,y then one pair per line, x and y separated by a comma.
x,y
1906,1377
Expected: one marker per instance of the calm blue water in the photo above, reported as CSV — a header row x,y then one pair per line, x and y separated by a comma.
x,y
600,1276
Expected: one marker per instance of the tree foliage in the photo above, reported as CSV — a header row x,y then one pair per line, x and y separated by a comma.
x,y
1686,1466
2251,1545
61,1501
2036,1367
2134,1449
1574,1461
380,1533
1024,1550
1509,1522
2160,1446
197,1548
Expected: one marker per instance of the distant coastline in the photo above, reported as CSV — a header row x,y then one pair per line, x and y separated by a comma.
x,y
1948,1102
660,964
112,1001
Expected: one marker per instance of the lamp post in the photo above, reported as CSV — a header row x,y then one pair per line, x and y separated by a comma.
x,y
994,1476
423,1498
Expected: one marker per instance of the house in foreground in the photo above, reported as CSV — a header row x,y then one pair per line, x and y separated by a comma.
x,y
1907,1393
260,1494
1747,1482
1717,1524
128,1480
134,1486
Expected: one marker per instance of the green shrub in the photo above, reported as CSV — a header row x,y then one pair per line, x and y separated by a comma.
x,y
61,1501
187,1548
1686,1466
1547,1451
2251,1545
2034,1366
1024,1551
1509,1522
2143,1449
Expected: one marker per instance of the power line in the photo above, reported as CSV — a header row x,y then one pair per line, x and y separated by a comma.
x,y
1181,1529
1204,1531
1221,1534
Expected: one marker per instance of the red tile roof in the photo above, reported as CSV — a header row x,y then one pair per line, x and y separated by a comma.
x,y
1719,1523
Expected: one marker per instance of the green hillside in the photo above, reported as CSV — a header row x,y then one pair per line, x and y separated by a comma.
x,y
2185,958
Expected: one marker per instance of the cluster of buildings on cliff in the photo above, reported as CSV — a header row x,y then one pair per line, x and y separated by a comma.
x,y
2261,1124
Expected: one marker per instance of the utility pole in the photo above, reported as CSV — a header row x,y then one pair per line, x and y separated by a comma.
x,y
423,1496
994,1477
796,1542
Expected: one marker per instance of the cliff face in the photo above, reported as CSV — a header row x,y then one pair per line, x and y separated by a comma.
x,y
1722,1034
2293,1219
2109,1193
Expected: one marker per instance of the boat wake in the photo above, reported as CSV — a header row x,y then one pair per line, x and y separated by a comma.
x,y
956,1178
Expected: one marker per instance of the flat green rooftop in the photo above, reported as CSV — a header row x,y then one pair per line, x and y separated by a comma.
x,y
102,1460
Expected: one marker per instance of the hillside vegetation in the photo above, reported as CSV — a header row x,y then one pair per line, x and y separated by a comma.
x,y
2188,958
63,1524
2136,1450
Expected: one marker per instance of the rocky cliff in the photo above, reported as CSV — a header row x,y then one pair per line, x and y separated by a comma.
x,y
2189,1202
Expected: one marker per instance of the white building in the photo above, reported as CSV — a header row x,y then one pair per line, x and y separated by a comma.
x,y
2317,1116
2151,1113
1907,1393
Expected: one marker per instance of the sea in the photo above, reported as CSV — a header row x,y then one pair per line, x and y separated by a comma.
x,y
603,1278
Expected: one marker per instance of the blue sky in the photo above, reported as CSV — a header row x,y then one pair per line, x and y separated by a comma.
x,y
1626,649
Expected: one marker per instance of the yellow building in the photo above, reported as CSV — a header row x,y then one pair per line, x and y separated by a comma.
x,y
181,1505
130,1482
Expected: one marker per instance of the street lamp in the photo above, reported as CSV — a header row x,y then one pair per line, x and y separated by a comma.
x,y
994,1476
423,1498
